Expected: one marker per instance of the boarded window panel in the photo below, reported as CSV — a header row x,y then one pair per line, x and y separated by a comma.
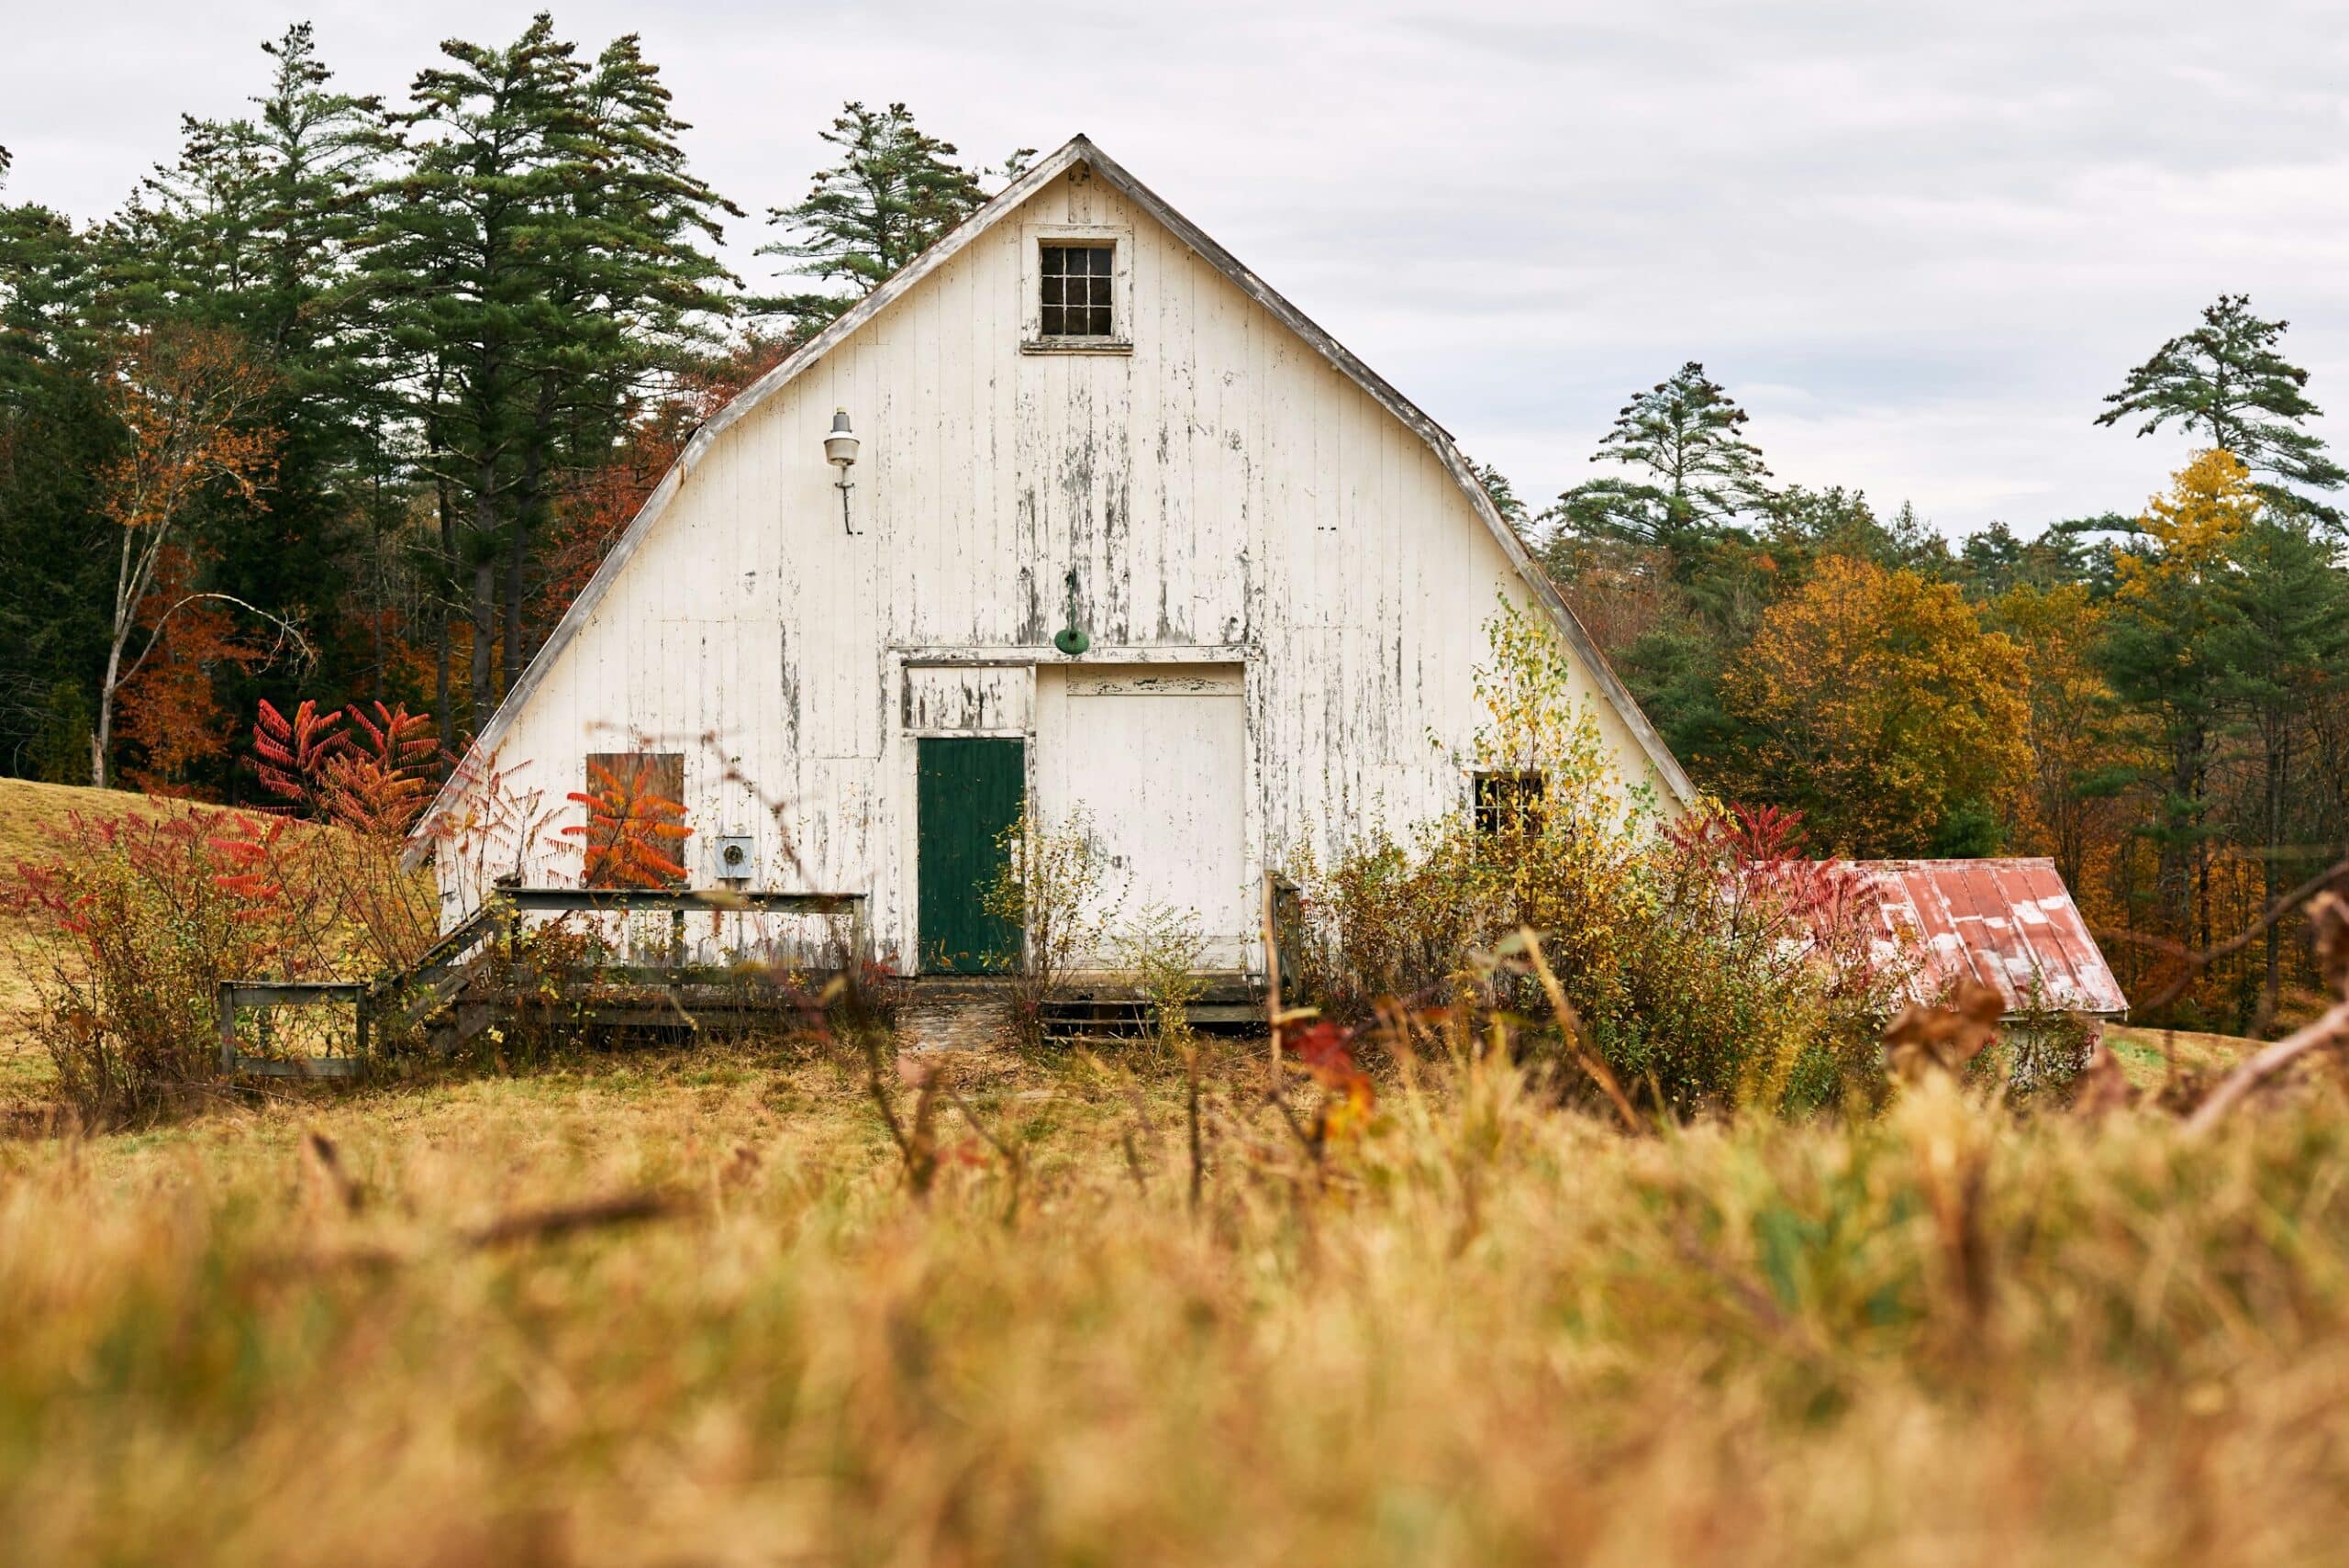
x,y
643,777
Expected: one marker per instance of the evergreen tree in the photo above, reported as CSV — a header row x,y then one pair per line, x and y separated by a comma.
x,y
536,254
2281,652
55,440
895,190
2226,383
1669,532
1809,524
461,262
639,299
1998,561
2171,615
1504,496
1694,472
253,230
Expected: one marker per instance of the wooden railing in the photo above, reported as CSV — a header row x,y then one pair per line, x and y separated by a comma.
x,y
395,1003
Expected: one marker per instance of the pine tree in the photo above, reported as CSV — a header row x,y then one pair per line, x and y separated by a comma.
x,y
461,261
1504,496
639,300
253,230
2282,649
895,190
2170,617
537,256
55,441
2226,384
1684,438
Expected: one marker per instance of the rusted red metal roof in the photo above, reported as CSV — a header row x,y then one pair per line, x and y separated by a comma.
x,y
2008,923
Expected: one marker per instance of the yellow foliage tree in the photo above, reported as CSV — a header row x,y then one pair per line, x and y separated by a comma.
x,y
2080,745
1883,709
2190,534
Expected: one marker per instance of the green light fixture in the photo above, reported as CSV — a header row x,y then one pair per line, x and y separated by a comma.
x,y
1071,638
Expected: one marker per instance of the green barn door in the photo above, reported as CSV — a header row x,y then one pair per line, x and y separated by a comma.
x,y
970,792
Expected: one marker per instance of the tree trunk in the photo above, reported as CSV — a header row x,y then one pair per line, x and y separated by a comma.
x,y
517,562
2279,761
443,709
484,605
526,501
2176,879
126,604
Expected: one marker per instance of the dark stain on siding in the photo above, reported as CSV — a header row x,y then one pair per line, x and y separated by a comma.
x,y
790,687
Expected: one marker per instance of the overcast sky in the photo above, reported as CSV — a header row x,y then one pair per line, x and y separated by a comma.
x,y
1917,241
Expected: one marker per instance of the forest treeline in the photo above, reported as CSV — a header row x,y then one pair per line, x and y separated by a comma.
x,y
349,398
352,395
2158,700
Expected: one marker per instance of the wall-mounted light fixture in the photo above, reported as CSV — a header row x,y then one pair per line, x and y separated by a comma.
x,y
840,450
1071,638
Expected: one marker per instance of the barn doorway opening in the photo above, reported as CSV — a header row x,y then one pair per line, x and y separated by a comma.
x,y
969,791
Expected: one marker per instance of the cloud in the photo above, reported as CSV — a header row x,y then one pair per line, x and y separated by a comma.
x,y
1920,242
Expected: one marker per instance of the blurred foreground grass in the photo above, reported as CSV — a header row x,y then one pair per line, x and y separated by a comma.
x,y
1489,1332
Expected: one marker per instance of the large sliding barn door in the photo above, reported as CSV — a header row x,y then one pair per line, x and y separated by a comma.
x,y
969,791
1154,757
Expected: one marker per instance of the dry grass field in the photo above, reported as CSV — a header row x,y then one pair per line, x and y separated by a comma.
x,y
698,1306
1485,1331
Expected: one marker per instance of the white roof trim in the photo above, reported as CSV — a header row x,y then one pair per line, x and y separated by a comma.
x,y
1077,149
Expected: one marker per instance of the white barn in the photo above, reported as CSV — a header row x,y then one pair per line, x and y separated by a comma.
x,y
1079,418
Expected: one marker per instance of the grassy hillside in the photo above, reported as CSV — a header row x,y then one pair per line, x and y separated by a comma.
x,y
2144,1053
1488,1333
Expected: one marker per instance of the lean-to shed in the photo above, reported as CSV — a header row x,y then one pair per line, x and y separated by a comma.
x,y
1125,535
2010,924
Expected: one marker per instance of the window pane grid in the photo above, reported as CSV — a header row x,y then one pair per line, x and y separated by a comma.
x,y
1075,301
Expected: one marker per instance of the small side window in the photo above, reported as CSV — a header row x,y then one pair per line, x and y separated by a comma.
x,y
1076,281
1508,803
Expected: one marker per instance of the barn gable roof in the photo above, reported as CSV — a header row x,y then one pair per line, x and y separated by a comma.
x,y
1077,149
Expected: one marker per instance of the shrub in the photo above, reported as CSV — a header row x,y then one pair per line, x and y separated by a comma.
x,y
1709,961
1160,950
1049,888
367,775
139,921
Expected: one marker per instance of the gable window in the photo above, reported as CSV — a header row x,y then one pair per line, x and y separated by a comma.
x,y
1076,281
1076,288
1508,803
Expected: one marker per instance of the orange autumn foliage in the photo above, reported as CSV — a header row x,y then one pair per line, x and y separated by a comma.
x,y
1881,706
170,714
189,401
631,830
